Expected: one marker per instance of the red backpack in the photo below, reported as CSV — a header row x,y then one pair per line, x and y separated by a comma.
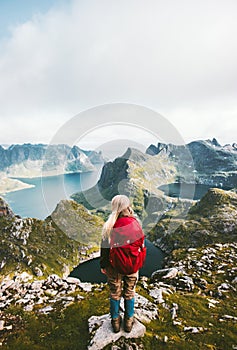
x,y
127,248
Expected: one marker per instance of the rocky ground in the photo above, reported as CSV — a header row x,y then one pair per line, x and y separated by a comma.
x,y
190,304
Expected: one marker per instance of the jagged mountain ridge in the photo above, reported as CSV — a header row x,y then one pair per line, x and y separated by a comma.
x,y
40,159
202,162
212,163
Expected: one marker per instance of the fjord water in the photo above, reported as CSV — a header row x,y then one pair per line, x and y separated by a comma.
x,y
40,201
185,190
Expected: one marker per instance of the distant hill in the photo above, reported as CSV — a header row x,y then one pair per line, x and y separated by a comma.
x,y
77,222
210,162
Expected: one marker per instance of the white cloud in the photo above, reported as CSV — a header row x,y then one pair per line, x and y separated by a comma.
x,y
171,56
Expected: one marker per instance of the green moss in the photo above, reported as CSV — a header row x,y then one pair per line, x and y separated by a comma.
x,y
193,311
60,330
52,245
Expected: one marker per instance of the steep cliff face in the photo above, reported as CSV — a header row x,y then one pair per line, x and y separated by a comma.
x,y
36,160
210,220
212,163
139,175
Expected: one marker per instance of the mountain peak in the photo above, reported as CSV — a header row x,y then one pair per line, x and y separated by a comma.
x,y
214,142
135,155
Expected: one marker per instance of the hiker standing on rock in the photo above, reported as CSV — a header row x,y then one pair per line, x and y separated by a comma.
x,y
122,254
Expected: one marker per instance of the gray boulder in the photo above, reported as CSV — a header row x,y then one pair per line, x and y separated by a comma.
x,y
165,274
102,334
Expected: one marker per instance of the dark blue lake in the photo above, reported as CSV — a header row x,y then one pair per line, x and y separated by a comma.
x,y
90,271
185,190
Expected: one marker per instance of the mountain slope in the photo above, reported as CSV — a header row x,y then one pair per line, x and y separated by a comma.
x,y
188,305
210,220
42,247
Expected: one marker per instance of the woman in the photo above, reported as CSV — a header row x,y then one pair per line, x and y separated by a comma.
x,y
122,232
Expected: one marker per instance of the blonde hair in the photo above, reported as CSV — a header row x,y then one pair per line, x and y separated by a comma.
x,y
118,204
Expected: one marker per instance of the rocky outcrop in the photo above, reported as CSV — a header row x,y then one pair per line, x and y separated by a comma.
x,y
192,298
101,330
5,210
100,326
41,295
211,269
198,275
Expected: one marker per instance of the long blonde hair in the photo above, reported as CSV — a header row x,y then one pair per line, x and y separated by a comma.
x,y
118,204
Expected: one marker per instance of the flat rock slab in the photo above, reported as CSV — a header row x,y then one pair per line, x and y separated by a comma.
x,y
102,332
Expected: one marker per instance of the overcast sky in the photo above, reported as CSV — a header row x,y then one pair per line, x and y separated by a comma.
x,y
61,57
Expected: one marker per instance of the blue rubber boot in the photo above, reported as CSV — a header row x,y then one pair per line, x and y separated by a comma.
x,y
129,307
129,313
114,308
114,312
